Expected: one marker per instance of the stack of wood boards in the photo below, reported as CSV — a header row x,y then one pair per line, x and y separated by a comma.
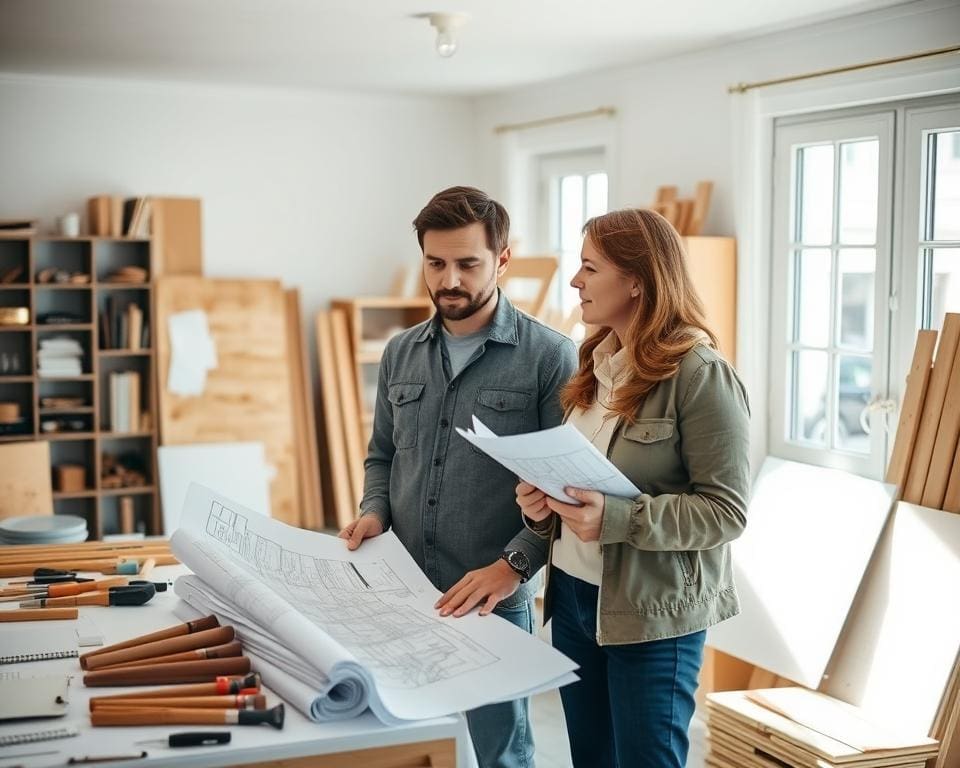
x,y
686,215
794,727
258,390
924,461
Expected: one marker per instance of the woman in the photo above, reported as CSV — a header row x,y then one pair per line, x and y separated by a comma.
x,y
633,583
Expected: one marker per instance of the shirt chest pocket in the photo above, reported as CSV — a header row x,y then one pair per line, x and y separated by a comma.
x,y
405,404
649,431
503,410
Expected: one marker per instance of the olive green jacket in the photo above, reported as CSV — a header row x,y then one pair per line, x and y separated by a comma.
x,y
666,553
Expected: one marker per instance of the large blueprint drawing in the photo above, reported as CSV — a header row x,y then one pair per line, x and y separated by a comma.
x,y
336,632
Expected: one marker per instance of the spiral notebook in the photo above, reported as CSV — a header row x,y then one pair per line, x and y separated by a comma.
x,y
41,643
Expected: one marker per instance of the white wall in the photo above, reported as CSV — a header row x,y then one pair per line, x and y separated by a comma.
x,y
315,188
675,119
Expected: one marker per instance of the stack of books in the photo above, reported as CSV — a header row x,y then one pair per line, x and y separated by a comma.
x,y
59,356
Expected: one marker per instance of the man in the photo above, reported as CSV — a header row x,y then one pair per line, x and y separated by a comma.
x,y
454,508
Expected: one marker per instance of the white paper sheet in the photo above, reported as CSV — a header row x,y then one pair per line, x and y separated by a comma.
x,y
552,459
240,468
358,628
192,352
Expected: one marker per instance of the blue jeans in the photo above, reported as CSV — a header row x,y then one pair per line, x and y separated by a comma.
x,y
633,703
501,733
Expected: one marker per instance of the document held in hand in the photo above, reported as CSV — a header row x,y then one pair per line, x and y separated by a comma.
x,y
552,459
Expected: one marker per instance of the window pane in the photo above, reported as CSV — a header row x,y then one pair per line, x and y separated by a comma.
x,y
945,284
571,212
809,416
596,194
946,186
859,174
855,381
812,297
814,214
857,268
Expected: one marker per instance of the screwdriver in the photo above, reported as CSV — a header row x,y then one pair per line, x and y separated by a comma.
x,y
67,589
133,593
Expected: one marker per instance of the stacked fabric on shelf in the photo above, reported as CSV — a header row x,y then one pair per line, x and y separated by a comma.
x,y
59,356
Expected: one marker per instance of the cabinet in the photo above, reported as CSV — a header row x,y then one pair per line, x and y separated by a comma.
x,y
78,372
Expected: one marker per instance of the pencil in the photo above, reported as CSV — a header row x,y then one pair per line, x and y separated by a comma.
x,y
203,671
220,687
39,614
239,701
197,625
224,651
186,716
204,639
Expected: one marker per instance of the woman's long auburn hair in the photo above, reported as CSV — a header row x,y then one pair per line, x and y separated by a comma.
x,y
668,320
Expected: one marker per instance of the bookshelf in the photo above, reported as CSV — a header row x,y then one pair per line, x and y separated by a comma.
x,y
85,346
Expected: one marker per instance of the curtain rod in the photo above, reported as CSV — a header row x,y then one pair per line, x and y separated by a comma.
x,y
598,112
744,87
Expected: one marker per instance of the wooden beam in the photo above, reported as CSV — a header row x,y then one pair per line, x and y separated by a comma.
x,y
911,408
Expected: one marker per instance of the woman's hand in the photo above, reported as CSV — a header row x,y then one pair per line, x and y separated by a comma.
x,y
532,502
585,521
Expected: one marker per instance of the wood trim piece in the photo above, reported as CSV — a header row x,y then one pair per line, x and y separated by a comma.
x,y
335,455
911,407
441,753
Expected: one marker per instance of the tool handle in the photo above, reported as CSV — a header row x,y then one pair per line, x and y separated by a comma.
x,y
41,614
63,590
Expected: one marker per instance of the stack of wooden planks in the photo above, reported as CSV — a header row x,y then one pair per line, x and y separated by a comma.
x,y
924,461
798,728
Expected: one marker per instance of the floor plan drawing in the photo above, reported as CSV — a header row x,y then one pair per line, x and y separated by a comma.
x,y
364,606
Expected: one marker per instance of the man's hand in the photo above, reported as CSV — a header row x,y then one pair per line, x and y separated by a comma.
x,y
488,585
365,527
586,520
532,502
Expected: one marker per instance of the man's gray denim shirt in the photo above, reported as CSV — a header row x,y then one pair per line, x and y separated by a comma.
x,y
454,508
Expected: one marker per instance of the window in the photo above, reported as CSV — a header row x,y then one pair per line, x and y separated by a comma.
x,y
857,268
574,188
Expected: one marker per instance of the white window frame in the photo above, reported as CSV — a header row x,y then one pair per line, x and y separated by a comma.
x,y
919,123
552,168
753,118
789,137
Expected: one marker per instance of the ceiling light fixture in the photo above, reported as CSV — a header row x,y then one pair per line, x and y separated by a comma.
x,y
446,25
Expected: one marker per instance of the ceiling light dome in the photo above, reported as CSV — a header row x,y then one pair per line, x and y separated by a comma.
x,y
446,25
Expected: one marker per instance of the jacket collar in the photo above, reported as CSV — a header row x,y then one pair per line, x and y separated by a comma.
x,y
502,329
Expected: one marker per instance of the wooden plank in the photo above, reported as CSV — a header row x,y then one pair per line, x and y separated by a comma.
x,y
932,408
524,271
247,396
344,507
951,499
900,642
304,418
712,263
701,206
177,228
441,753
911,407
945,446
25,487
762,678
352,418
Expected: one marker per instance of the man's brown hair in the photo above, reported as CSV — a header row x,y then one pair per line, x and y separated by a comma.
x,y
458,207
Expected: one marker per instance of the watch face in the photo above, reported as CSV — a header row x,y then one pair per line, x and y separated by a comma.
x,y
519,561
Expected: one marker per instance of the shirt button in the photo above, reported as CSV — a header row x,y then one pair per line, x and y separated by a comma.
x,y
437,462
431,502
444,423
451,387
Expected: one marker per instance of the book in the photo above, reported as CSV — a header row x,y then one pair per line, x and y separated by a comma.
x,y
134,326
34,644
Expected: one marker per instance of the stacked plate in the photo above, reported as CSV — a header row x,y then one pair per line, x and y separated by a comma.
x,y
43,529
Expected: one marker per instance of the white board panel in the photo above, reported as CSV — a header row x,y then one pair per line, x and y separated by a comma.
x,y
809,536
238,470
895,656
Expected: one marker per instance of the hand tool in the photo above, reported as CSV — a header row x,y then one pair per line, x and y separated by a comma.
x,y
133,593
197,625
142,716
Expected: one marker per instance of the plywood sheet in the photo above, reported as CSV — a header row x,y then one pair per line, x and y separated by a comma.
x,y
247,396
25,487
177,228
798,565
898,651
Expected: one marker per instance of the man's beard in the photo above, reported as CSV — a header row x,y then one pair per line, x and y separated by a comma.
x,y
474,303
